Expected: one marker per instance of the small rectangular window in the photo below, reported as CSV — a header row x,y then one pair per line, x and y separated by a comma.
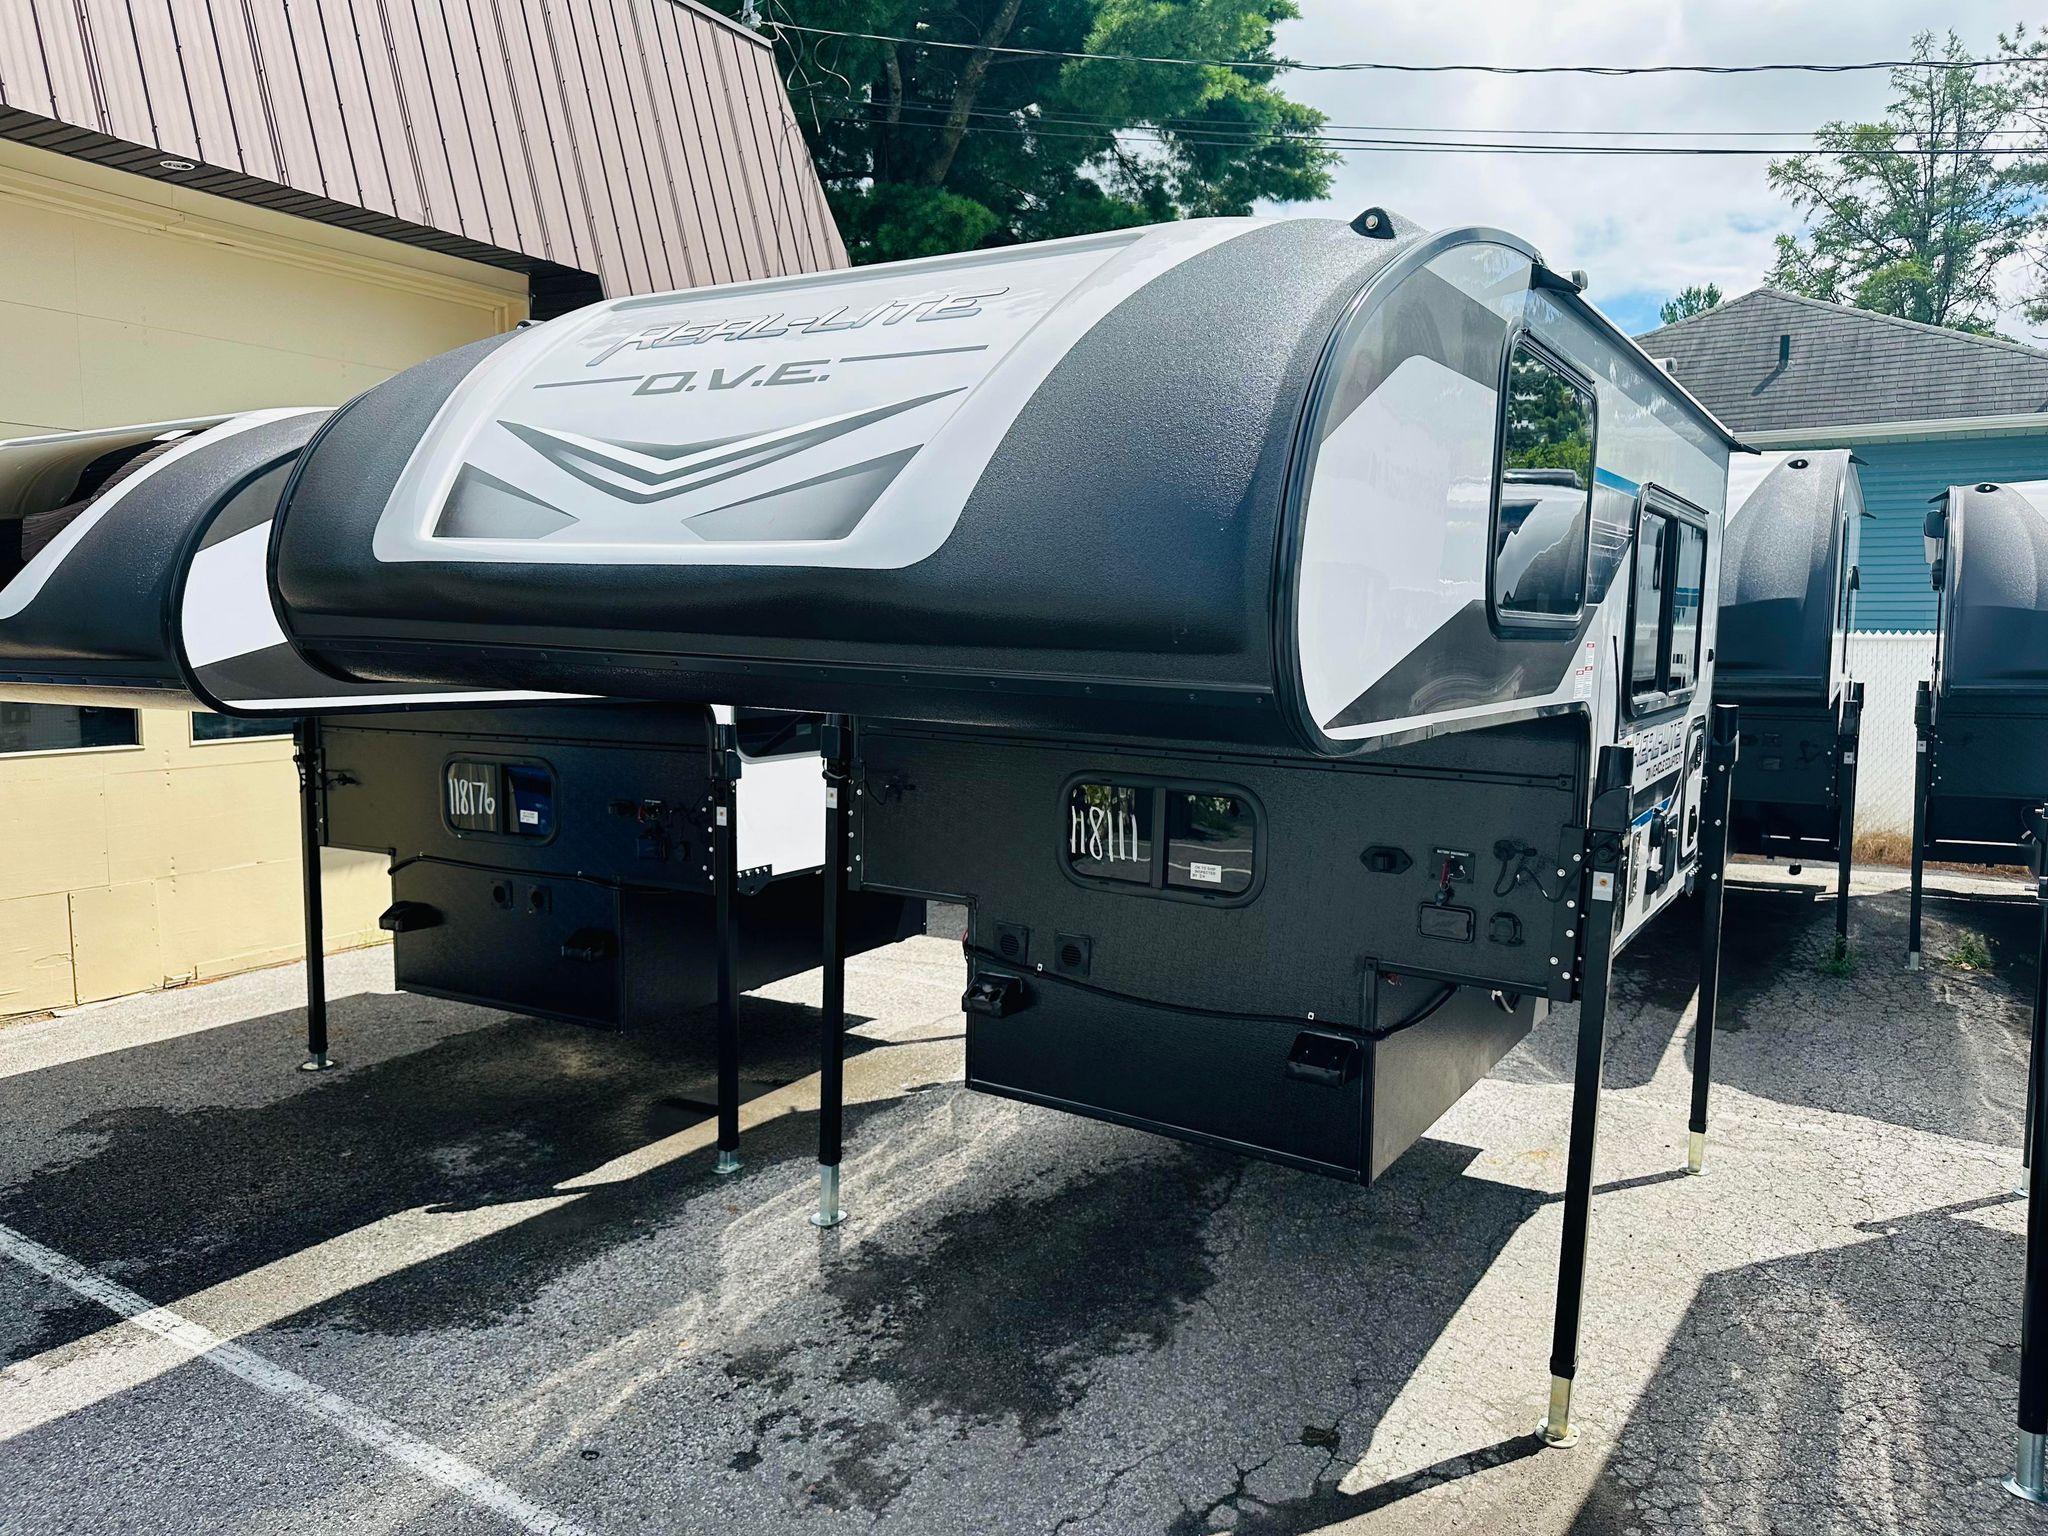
x,y
1543,505
210,727
65,728
471,794
1109,832
1665,609
1210,840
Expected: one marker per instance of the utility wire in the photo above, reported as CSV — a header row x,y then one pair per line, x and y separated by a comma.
x,y
1222,135
1604,70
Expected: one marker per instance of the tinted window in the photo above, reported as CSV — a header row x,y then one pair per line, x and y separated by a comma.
x,y
1645,664
1210,839
65,728
1666,609
208,727
1109,832
772,733
1543,509
1683,669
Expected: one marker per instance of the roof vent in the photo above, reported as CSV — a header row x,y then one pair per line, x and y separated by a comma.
x,y
1784,348
1579,278
1668,364
1797,463
1374,224
1987,486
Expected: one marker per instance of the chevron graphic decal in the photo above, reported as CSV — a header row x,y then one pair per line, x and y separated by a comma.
x,y
650,472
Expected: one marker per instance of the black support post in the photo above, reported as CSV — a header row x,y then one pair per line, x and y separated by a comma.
x,y
2027,1480
1849,743
832,1021
1923,787
306,756
725,879
1603,898
1723,743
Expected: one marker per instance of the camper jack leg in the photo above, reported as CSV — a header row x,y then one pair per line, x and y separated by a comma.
x,y
306,757
1923,784
725,879
2028,1480
832,1021
1845,823
1723,743
1606,894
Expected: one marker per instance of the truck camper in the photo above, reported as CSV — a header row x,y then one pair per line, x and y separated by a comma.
x,y
601,862
1788,594
1292,640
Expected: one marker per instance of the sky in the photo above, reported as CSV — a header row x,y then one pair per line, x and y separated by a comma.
x,y
1642,228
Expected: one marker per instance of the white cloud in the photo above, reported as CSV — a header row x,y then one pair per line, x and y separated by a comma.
x,y
1638,225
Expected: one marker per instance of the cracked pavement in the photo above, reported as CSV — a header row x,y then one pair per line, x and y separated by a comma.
x,y
504,1238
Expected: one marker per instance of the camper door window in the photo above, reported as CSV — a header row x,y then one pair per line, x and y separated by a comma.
x,y
1542,510
1665,608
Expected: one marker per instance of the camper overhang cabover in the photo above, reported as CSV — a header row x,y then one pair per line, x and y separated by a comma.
x,y
607,863
1982,719
1788,591
1292,640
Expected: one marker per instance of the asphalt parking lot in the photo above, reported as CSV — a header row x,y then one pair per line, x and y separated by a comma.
x,y
482,1278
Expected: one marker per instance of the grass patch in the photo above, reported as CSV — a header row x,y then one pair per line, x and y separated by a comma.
x,y
1970,953
1840,960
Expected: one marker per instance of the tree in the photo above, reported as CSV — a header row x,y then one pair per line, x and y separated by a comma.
x,y
927,149
1692,299
1913,215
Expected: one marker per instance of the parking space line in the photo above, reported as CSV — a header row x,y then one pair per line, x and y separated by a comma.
x,y
309,1398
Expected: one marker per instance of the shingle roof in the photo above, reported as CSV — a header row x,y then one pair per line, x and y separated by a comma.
x,y
1848,367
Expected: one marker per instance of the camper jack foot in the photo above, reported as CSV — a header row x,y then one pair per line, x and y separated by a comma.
x,y
728,1162
2026,1480
828,1214
1557,1428
1912,959
319,1061
1695,1151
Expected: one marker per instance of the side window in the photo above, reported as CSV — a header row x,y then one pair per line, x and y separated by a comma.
x,y
1665,608
1166,839
1543,504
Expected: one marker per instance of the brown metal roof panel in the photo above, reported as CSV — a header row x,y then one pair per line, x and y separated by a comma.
x,y
206,81
355,112
117,69
54,24
676,124
789,159
722,52
284,90
704,171
758,142
426,122
568,102
597,127
24,79
503,224
549,172
441,117
644,121
395,116
599,154
249,90
720,150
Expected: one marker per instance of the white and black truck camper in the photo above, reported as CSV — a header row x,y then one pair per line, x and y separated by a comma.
x,y
549,856
1292,640
1980,796
1788,601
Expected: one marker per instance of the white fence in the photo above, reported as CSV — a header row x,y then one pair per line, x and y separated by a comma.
x,y
1890,664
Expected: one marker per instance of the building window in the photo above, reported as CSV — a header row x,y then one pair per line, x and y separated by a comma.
x,y
1542,514
1665,608
209,727
65,728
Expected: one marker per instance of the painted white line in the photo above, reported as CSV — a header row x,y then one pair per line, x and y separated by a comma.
x,y
380,1434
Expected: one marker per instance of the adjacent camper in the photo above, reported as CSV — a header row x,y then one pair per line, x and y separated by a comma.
x,y
1982,719
1293,640
1788,595
607,863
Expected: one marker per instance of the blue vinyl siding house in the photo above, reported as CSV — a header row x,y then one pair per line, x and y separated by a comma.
x,y
1923,408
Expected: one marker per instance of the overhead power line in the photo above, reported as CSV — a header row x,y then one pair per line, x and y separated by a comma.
x,y
1389,66
1192,131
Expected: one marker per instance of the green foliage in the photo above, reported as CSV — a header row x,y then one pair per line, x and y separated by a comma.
x,y
1550,425
929,150
1916,235
1969,953
1839,962
1693,299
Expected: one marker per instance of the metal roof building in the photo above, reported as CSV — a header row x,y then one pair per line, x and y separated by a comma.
x,y
215,205
1923,407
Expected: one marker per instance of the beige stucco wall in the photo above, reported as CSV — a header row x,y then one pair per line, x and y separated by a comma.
x,y
127,300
